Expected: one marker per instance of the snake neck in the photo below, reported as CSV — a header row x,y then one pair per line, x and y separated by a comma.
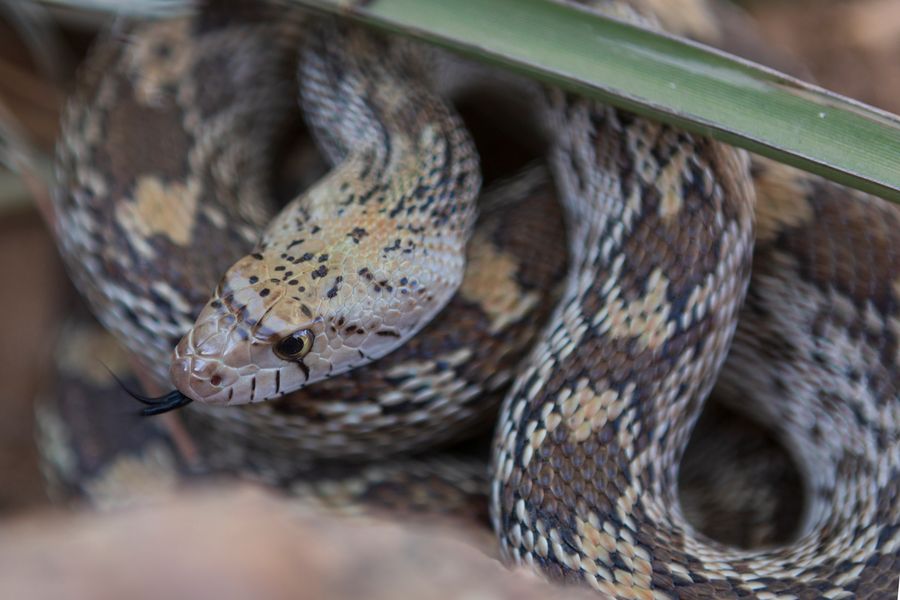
x,y
401,152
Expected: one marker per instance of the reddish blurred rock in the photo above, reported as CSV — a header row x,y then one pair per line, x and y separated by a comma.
x,y
245,543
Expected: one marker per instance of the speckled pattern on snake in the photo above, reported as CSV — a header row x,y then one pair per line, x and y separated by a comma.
x,y
689,267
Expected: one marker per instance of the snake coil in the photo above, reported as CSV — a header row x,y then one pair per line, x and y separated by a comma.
x,y
161,190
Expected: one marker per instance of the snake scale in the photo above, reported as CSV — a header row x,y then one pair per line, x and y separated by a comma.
x,y
689,266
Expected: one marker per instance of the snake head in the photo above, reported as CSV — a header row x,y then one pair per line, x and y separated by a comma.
x,y
260,337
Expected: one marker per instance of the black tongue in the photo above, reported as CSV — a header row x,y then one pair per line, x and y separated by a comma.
x,y
157,406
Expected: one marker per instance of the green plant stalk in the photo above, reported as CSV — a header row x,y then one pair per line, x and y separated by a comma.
x,y
659,76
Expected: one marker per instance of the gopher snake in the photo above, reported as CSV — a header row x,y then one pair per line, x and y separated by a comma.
x,y
661,231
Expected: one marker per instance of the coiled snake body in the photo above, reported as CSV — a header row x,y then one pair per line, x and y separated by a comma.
x,y
157,200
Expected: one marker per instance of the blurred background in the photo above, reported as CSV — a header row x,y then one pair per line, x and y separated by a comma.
x,y
851,47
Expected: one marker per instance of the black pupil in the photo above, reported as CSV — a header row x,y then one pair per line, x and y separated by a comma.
x,y
291,345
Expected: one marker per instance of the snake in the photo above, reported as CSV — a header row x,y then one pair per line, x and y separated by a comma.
x,y
690,266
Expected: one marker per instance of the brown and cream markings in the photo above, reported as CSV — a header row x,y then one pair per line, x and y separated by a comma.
x,y
662,226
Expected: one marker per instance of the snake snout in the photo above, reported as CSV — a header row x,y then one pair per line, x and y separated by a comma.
x,y
207,381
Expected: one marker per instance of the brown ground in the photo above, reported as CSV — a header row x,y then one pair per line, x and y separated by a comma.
x,y
32,287
30,299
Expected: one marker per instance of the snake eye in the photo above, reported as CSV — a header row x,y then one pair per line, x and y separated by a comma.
x,y
295,346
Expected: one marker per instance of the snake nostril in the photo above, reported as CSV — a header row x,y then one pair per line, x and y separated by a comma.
x,y
215,379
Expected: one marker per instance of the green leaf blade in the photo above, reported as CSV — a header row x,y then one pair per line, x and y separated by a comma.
x,y
659,76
